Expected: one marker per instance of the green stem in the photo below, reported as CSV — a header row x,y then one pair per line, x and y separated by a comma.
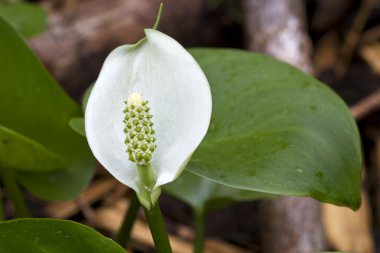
x,y
147,181
129,220
15,194
157,229
158,16
199,227
156,23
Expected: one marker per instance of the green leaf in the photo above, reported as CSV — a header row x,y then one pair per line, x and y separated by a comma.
x,y
77,124
275,129
85,97
204,195
35,107
27,18
20,152
53,235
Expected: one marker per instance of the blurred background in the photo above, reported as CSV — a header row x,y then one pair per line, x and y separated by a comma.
x,y
337,41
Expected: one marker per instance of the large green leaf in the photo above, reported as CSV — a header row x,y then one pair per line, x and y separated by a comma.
x,y
34,106
53,236
77,124
275,129
20,152
27,18
204,195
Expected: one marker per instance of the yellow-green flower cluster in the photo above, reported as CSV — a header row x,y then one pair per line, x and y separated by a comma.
x,y
138,129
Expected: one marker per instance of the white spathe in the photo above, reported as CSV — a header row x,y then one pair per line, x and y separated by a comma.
x,y
179,96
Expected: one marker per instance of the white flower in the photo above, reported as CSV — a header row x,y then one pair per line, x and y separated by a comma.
x,y
160,71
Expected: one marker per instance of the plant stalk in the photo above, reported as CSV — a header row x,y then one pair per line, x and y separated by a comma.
x,y
147,181
199,230
157,229
158,16
129,220
15,194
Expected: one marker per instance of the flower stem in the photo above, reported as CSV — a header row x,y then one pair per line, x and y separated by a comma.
x,y
158,16
129,220
199,227
15,194
147,181
157,229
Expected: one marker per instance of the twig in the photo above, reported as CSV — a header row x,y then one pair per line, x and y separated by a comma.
x,y
353,36
94,193
366,105
87,210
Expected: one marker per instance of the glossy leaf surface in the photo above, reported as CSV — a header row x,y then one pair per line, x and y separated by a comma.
x,y
53,235
34,107
204,195
275,129
27,18
20,152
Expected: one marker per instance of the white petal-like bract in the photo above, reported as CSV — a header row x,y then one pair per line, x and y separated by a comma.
x,y
160,69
